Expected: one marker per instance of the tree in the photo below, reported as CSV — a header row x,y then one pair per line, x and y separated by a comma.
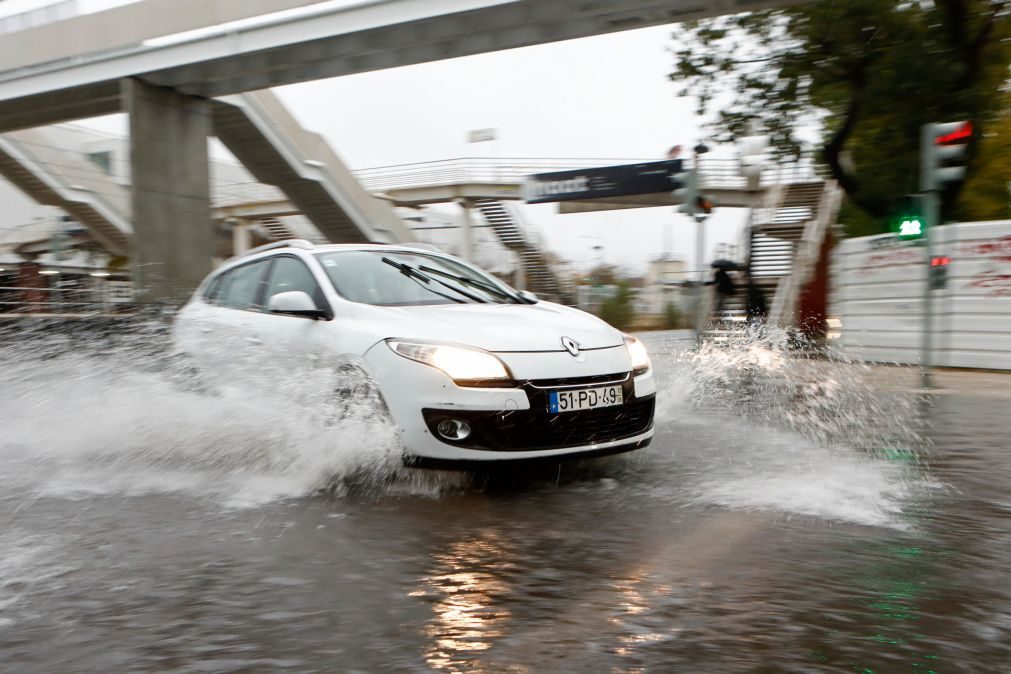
x,y
862,75
618,310
602,275
987,193
672,316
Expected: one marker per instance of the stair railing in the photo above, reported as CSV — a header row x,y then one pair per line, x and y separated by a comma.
x,y
86,187
805,257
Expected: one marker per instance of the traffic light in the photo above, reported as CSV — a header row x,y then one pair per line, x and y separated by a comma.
x,y
910,223
687,191
939,272
911,227
703,206
941,146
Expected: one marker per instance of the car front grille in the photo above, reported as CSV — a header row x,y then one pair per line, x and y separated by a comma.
x,y
537,429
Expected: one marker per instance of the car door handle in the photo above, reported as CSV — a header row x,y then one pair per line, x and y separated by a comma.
x,y
206,329
254,340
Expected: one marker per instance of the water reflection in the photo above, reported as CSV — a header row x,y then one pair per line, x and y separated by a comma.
x,y
633,610
468,588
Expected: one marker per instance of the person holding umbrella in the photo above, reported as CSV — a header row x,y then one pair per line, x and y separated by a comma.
x,y
724,283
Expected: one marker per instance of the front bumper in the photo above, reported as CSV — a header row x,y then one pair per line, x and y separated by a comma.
x,y
514,423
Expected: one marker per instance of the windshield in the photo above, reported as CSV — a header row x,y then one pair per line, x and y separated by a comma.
x,y
397,278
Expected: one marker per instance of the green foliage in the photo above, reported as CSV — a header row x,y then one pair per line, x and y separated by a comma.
x,y
618,310
672,317
864,75
987,193
603,275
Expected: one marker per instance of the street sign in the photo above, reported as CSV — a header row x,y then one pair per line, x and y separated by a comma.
x,y
602,182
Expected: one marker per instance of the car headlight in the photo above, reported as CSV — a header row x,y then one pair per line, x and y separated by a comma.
x,y
637,352
463,364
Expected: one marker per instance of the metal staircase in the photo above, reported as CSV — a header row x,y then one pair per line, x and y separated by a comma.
x,y
258,129
274,229
783,241
539,277
34,162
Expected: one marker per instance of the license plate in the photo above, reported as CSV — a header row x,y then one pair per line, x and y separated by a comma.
x,y
584,399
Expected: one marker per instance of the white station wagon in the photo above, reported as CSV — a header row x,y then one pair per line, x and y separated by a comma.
x,y
468,368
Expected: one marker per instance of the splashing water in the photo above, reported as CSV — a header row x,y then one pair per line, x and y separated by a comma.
x,y
766,429
87,417
783,428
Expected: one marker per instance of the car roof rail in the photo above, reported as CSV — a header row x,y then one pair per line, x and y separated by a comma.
x,y
421,245
287,243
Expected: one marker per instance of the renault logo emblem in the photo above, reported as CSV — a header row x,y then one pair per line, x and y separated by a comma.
x,y
571,345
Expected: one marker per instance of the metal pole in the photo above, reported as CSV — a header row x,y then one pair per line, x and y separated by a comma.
x,y
700,253
930,218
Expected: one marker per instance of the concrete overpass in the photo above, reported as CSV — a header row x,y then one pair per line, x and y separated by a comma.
x,y
210,48
165,61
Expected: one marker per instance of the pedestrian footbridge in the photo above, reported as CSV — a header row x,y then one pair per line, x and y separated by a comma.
x,y
300,175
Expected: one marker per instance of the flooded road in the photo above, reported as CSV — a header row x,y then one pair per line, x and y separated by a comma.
x,y
790,515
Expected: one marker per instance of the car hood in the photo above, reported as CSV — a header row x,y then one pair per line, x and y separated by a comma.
x,y
507,327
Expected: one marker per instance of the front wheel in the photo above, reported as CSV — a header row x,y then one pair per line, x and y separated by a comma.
x,y
356,395
185,376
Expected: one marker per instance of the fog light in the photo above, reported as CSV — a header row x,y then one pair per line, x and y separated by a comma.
x,y
453,429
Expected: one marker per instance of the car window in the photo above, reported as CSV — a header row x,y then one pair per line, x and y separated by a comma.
x,y
240,290
213,289
364,276
289,274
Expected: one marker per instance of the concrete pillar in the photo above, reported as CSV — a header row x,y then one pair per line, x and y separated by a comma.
x,y
172,234
521,274
242,238
467,242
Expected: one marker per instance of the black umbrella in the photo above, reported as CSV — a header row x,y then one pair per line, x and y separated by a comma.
x,y
723,264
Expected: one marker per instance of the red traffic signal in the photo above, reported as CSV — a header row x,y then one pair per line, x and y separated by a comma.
x,y
938,274
961,133
703,205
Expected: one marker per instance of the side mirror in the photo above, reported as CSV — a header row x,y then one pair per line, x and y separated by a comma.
x,y
295,303
528,296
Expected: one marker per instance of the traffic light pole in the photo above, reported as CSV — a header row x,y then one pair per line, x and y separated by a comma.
x,y
940,144
930,216
700,253
929,203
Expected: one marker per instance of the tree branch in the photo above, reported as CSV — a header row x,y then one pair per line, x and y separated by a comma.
x,y
833,149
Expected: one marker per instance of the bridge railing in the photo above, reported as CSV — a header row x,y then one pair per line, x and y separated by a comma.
x,y
224,194
715,173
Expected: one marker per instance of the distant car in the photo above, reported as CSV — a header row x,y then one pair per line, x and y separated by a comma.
x,y
468,368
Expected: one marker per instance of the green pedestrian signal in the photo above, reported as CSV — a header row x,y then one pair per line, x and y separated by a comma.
x,y
910,223
910,228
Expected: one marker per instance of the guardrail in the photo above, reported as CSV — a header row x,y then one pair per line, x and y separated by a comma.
x,y
114,298
715,173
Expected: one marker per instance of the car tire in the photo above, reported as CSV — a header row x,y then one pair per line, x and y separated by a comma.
x,y
354,393
185,376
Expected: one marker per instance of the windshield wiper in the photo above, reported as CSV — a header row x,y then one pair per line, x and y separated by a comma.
x,y
412,273
487,287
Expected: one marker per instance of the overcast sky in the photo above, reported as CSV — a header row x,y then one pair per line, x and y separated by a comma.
x,y
606,96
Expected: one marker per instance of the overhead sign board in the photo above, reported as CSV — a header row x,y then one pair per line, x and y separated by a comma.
x,y
602,182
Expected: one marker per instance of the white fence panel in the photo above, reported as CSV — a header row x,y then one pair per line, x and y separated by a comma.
x,y
877,288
